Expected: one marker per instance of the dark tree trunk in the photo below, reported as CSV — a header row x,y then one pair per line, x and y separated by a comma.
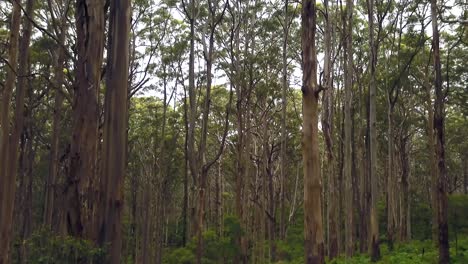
x,y
81,181
10,145
439,116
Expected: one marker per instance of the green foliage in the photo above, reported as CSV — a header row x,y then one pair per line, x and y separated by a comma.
x,y
180,256
291,250
421,216
458,215
415,252
216,249
44,247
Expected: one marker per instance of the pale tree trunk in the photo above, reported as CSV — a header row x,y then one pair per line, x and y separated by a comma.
x,y
374,246
348,181
115,126
313,228
439,116
192,11
327,126
9,155
160,171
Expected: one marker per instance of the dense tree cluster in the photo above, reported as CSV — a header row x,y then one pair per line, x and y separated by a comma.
x,y
231,131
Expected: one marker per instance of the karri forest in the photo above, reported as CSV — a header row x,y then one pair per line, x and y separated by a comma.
x,y
233,131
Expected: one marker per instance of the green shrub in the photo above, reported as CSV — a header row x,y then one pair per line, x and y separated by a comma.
x,y
44,247
180,256
216,249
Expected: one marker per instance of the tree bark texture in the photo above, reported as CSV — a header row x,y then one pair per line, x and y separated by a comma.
x,y
10,143
313,228
115,126
80,186
439,116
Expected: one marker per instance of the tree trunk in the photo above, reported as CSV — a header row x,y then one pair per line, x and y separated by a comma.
x,y
327,125
10,145
54,146
391,182
5,179
348,179
313,228
432,160
439,116
362,164
83,150
404,191
9,85
283,121
374,218
25,201
115,126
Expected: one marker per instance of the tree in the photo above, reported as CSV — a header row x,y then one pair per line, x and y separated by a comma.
x,y
439,112
327,125
59,75
10,141
81,184
313,244
374,247
348,180
115,126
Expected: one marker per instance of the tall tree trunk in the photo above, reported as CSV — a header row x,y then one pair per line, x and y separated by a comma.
x,y
391,181
313,228
432,159
363,172
5,179
439,116
374,218
9,85
10,144
115,126
348,179
185,206
327,125
57,114
404,191
83,150
146,229
204,165
283,120
27,211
